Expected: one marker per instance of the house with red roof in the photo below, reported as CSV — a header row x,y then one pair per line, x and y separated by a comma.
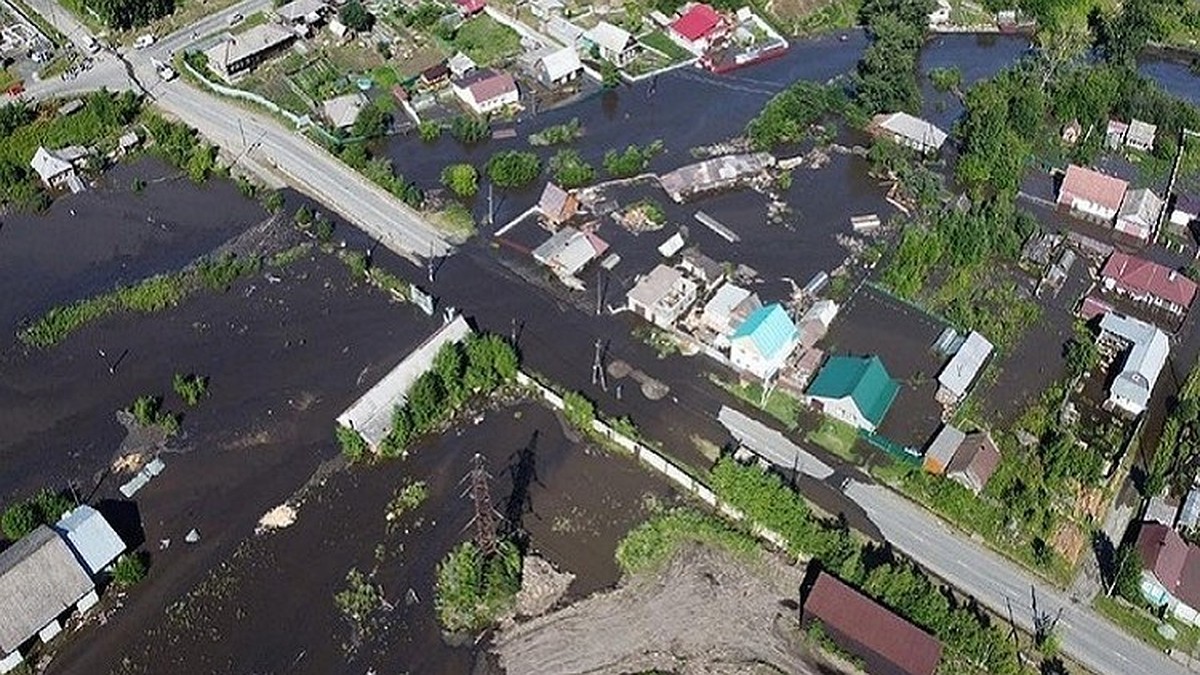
x,y
698,28
1148,282
1170,571
470,7
1091,193
487,90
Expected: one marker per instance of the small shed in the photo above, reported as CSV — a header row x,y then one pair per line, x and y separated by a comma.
x,y
93,541
556,204
703,268
975,461
941,450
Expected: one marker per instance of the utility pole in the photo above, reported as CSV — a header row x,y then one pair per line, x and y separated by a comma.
x,y
486,519
490,214
243,132
429,263
598,376
599,292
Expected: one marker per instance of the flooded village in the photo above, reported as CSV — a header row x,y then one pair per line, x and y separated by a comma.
x,y
699,396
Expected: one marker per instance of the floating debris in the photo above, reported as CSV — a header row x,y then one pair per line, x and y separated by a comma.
x,y
277,518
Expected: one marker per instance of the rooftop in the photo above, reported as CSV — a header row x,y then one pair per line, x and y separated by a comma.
x,y
944,445
1138,276
1093,186
1171,560
561,63
914,129
343,110
770,329
487,84
863,378
300,9
657,286
94,542
965,365
39,579
609,37
697,22
1149,348
978,455
259,38
872,628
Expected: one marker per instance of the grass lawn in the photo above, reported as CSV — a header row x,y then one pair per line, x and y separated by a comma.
x,y
836,437
806,17
455,220
486,40
658,40
6,78
1141,624
779,405
255,19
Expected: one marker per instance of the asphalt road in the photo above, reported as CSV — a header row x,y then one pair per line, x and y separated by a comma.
x,y
1087,637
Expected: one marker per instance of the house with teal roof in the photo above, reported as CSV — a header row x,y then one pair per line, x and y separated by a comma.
x,y
854,389
764,341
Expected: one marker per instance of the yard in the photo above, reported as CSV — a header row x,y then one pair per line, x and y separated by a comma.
x,y
837,437
658,41
779,405
486,41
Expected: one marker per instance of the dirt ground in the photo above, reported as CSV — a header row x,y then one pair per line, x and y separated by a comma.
x,y
703,613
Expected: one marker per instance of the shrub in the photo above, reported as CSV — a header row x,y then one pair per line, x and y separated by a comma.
x,y
652,543
579,411
473,591
130,569
19,520
429,131
632,161
569,170
513,169
354,447
469,130
461,179
191,388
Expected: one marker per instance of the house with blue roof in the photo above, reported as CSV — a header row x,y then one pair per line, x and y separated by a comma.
x,y
854,389
764,341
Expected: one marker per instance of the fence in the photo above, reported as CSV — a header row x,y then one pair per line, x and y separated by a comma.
x,y
661,464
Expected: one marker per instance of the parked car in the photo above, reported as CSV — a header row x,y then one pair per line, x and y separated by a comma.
x,y
235,19
90,44
143,41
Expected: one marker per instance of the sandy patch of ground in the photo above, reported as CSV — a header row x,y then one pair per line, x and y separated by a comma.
x,y
702,613
541,586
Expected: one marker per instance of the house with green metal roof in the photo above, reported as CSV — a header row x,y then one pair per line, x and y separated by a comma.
x,y
764,341
854,389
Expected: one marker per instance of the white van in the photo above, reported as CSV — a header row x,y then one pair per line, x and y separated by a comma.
x,y
143,41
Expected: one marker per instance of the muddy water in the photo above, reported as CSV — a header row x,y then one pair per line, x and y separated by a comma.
x,y
89,242
574,503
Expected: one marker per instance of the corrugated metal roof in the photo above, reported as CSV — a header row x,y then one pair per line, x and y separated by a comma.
x,y
1149,348
965,365
89,535
770,329
942,449
916,130
39,579
863,379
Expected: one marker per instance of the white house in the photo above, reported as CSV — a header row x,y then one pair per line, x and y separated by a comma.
x,y
613,43
1185,210
56,168
1148,350
1092,193
487,90
93,541
763,342
727,309
1139,213
855,390
956,377
662,296
557,67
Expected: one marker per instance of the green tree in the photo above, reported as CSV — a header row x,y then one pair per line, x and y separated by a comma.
x,y
472,591
1082,353
450,367
469,130
513,169
610,75
356,17
1127,581
372,122
461,179
426,400
429,131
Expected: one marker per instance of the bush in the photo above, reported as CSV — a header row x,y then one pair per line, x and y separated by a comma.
x,y
356,17
469,130
569,170
191,388
579,411
429,131
472,591
44,508
130,569
461,179
513,169
353,446
558,134
655,541
633,161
